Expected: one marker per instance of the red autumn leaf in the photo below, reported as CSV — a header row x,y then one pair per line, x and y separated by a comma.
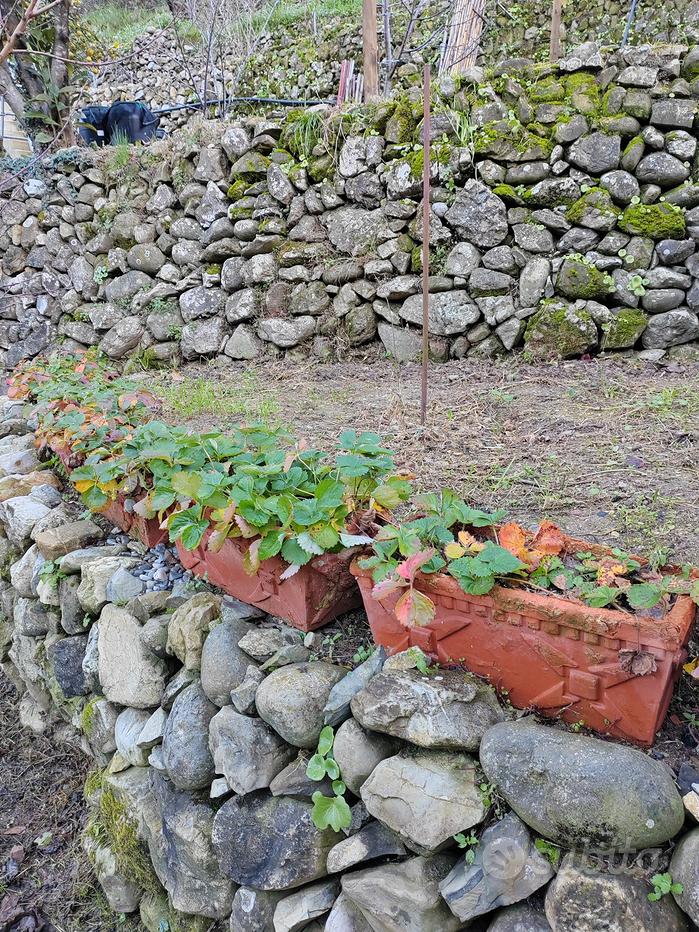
x,y
387,587
414,609
548,539
409,567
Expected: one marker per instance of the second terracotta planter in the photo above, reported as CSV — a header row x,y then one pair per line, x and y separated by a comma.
x,y
147,530
320,591
559,656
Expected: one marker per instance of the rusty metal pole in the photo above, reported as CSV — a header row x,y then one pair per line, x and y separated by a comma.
x,y
555,43
425,240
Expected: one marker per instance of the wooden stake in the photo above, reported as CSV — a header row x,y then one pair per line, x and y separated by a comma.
x,y
425,241
555,46
370,46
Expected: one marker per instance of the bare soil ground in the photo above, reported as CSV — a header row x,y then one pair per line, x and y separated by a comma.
x,y
609,449
49,886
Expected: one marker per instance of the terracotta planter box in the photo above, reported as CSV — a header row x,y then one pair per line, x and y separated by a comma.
x,y
147,530
319,592
559,656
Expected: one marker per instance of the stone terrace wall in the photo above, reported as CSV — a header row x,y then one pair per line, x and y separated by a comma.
x,y
564,219
294,61
201,714
523,28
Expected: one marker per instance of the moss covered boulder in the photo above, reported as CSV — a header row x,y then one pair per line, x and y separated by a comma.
x,y
579,278
623,329
560,329
595,210
657,221
576,790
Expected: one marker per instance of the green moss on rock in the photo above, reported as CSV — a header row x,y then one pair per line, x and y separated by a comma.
x,y
548,91
657,221
239,213
596,203
237,190
559,330
624,329
112,826
583,92
579,278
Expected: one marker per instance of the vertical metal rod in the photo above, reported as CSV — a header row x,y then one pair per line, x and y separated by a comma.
x,y
425,240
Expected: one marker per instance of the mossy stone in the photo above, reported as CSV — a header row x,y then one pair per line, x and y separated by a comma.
x,y
624,329
594,210
657,221
579,278
559,330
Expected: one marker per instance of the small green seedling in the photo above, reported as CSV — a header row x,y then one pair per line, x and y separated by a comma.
x,y
662,885
470,843
327,811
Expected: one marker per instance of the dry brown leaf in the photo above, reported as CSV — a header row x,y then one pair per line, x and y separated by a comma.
x,y
637,662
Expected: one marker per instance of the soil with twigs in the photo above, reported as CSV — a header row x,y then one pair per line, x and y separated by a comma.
x,y
46,883
606,448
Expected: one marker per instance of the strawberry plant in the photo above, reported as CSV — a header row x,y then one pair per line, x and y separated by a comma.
x,y
446,535
333,810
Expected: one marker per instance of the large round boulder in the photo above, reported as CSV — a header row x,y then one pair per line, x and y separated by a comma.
x,y
451,713
581,791
684,869
223,663
584,897
292,699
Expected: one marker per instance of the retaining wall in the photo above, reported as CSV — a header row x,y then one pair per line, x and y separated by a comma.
x,y
564,217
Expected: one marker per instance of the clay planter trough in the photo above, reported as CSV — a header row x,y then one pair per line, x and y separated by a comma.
x,y
561,657
319,592
147,530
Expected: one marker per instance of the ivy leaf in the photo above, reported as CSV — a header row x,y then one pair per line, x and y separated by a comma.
x,y
315,769
414,609
331,811
332,769
325,740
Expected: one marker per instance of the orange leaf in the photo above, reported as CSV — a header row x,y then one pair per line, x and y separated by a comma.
x,y
511,536
469,542
548,539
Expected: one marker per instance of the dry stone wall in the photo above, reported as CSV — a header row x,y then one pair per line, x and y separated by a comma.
x,y
564,218
201,714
